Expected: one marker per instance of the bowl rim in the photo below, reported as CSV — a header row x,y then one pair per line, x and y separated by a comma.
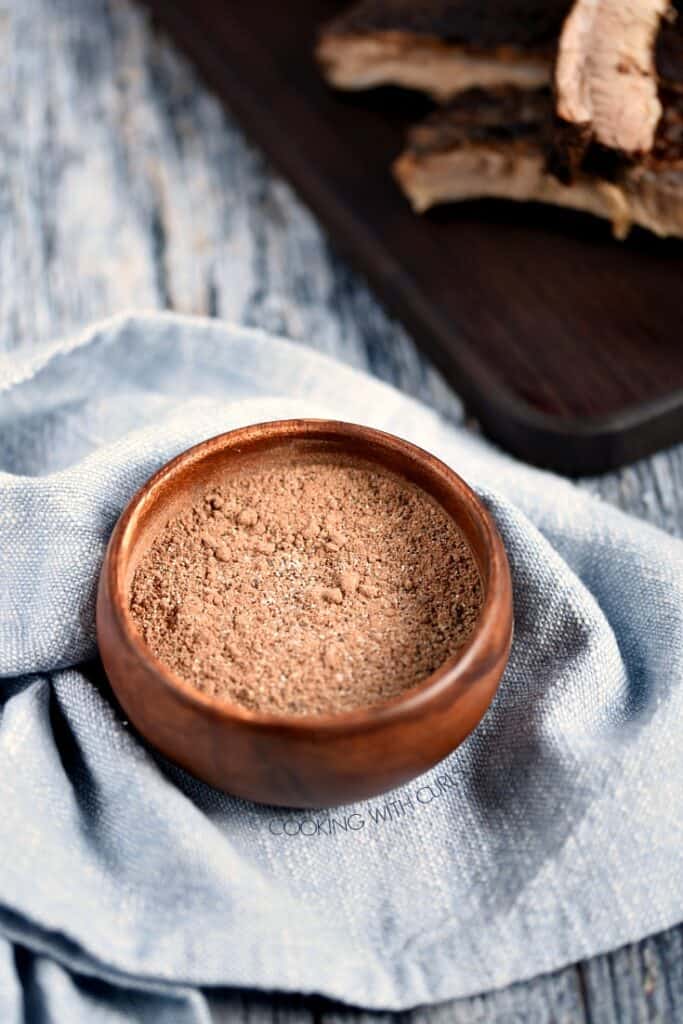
x,y
455,675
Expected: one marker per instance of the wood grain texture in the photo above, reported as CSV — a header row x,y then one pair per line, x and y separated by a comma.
x,y
122,183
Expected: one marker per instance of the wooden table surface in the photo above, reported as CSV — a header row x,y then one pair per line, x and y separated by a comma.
x,y
123,184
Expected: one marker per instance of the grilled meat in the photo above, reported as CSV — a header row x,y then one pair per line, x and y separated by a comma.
x,y
606,81
440,47
496,143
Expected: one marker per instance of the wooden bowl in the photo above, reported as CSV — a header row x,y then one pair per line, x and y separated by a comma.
x,y
294,760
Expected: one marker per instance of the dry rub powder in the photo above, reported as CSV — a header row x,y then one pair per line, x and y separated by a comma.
x,y
307,587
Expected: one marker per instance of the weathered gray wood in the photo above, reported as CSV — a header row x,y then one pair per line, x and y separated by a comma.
x,y
122,183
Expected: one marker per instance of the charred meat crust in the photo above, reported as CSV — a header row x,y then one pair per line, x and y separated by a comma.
x,y
504,115
522,24
667,151
569,151
669,49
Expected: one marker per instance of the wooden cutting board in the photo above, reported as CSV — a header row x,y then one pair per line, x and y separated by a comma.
x,y
567,345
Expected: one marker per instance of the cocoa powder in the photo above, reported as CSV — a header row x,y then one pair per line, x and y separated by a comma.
x,y
310,586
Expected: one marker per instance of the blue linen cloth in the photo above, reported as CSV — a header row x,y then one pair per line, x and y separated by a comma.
x,y
554,833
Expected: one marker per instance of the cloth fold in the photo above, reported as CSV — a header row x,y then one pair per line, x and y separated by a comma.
x,y
552,834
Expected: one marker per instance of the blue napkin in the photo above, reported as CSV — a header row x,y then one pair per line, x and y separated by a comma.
x,y
554,833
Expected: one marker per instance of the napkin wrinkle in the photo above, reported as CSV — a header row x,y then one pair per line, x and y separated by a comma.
x,y
64,957
79,748
642,678
56,995
70,804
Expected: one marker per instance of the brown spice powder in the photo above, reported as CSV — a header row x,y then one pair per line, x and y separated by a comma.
x,y
307,587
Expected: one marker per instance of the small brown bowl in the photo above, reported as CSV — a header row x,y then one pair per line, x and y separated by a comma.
x,y
294,760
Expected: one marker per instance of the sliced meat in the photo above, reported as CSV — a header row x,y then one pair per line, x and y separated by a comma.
x,y
605,79
496,143
440,47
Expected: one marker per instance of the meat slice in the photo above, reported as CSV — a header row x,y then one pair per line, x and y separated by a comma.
x,y
441,47
606,80
496,144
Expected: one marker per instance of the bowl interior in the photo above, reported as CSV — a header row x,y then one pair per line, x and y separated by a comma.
x,y
185,480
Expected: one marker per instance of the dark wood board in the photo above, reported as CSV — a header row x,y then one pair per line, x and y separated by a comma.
x,y
564,343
